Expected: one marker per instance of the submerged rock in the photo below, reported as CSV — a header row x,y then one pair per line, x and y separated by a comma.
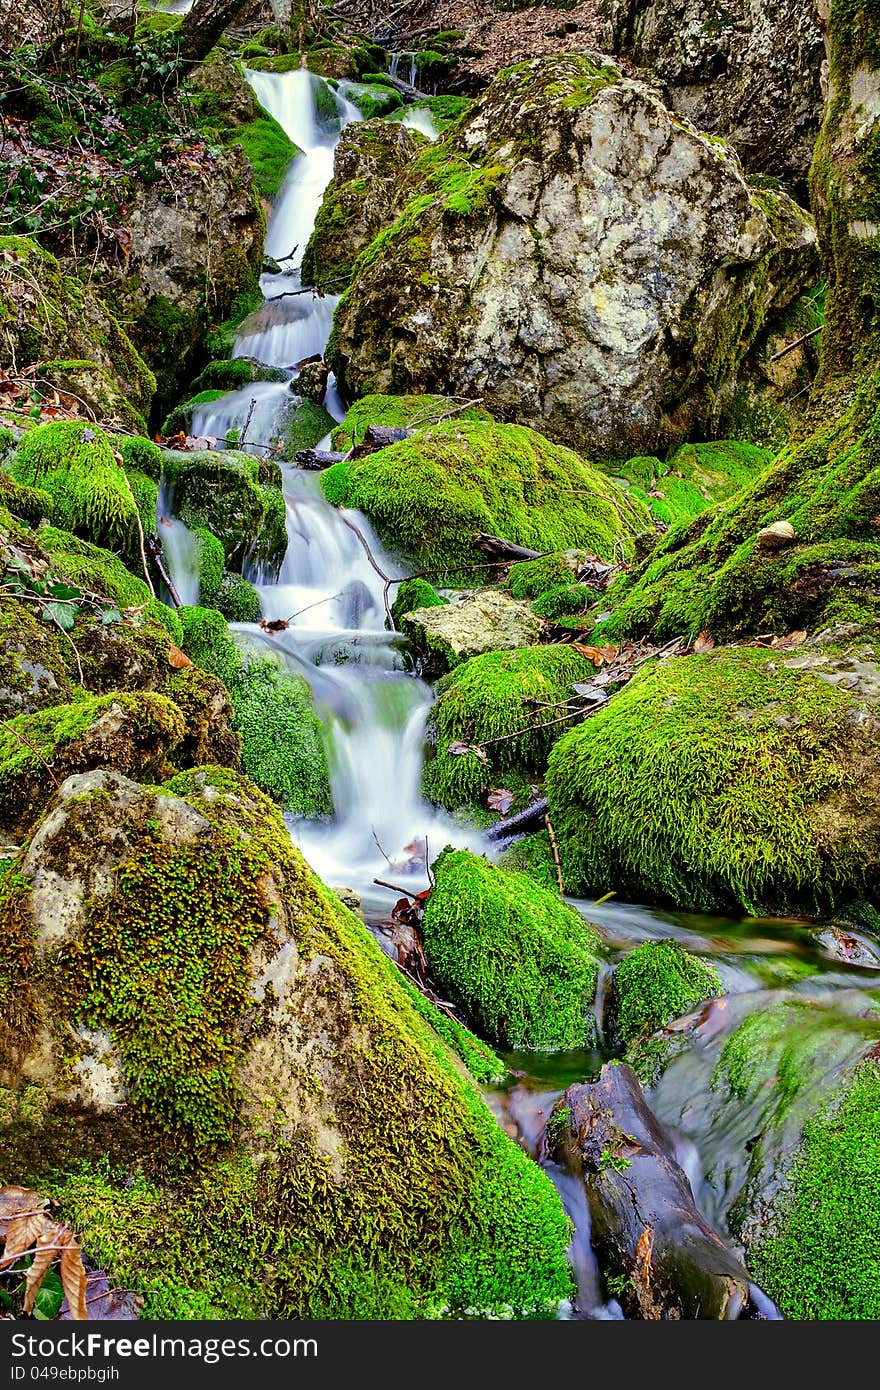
x,y
739,779
519,961
277,1108
524,267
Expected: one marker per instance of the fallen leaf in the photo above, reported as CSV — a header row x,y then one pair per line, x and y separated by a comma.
x,y
600,656
178,659
793,639
704,643
458,750
73,1277
274,625
500,800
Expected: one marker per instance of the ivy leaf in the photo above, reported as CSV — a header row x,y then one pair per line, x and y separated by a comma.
x,y
111,615
63,591
47,1303
62,613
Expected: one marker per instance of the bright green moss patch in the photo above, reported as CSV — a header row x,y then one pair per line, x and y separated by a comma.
x,y
657,982
30,504
413,594
565,602
531,578
99,572
489,696
74,463
533,855
236,497
140,455
269,149
233,373
305,427
237,599
399,413
696,476
518,960
822,1257
431,494
282,746
483,1064
716,781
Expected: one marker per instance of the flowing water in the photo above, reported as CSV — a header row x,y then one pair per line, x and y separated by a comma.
x,y
373,711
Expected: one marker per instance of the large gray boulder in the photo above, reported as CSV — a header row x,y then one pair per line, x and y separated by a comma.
x,y
579,257
750,70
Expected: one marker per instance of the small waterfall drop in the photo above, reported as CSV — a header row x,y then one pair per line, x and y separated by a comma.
x,y
408,60
179,549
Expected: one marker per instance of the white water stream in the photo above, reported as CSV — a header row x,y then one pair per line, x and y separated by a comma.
x,y
372,709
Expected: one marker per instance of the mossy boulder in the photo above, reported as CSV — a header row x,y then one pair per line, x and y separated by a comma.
x,y
531,578
228,114
693,478
374,99
487,620
90,492
49,317
399,413
337,1161
496,696
413,594
737,779
519,961
653,986
134,734
231,374
236,497
305,425
365,195
431,494
34,670
282,746
717,573
500,280
30,504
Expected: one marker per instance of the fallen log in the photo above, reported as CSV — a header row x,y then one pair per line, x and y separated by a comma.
x,y
661,1257
378,437
315,459
499,549
532,818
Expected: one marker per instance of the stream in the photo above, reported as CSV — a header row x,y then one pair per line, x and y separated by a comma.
x,y
373,710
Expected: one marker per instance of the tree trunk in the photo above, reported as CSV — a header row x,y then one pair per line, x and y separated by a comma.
x,y
204,25
845,190
662,1258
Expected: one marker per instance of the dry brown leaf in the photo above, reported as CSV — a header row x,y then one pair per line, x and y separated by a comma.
x,y
600,656
44,1256
178,659
23,1231
73,1277
793,639
704,643
500,800
17,1201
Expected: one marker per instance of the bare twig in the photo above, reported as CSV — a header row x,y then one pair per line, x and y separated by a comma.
x,y
555,848
21,738
783,352
243,435
395,887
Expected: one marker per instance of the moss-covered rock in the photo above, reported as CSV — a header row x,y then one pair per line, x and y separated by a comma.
x,y
462,293
567,605
47,316
233,373
399,413
531,578
236,497
431,494
305,426
30,504
282,747
236,599
655,984
740,778
374,99
104,574
519,961
34,670
365,195
493,697
338,1163
133,734
90,493
694,477
413,594
140,455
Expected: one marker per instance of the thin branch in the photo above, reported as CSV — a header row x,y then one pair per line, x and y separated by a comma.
x,y
783,352
21,738
555,848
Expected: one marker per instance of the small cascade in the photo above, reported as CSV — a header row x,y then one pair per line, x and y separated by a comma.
x,y
180,550
419,118
408,60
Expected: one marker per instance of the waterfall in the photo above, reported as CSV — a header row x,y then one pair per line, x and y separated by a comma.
x,y
373,710
410,60
179,549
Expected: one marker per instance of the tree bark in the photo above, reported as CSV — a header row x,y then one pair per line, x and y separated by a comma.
x,y
204,25
845,190
663,1259
501,550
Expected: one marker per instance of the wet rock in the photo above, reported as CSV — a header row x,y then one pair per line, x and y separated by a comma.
x,y
487,621
750,72
523,269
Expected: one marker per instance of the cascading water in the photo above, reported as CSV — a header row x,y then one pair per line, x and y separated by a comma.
x,y
372,708
410,64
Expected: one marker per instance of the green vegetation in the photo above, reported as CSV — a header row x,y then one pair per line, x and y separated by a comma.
x,y
236,497
705,783
521,963
531,578
282,747
431,494
399,413
656,983
100,572
231,374
491,697
305,427
30,504
413,594
74,463
694,477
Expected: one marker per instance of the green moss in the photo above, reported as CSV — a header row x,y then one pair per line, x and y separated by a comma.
x,y
146,496
131,733
494,696
694,477
565,602
521,963
707,782
237,600
140,455
234,373
29,503
74,463
531,578
305,427
269,149
413,594
372,99
237,498
99,572
431,494
399,413
656,983
533,855
422,1206
209,560
282,747
444,110
180,419
483,1064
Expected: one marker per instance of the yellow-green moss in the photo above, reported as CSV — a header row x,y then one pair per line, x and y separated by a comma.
x,y
74,463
